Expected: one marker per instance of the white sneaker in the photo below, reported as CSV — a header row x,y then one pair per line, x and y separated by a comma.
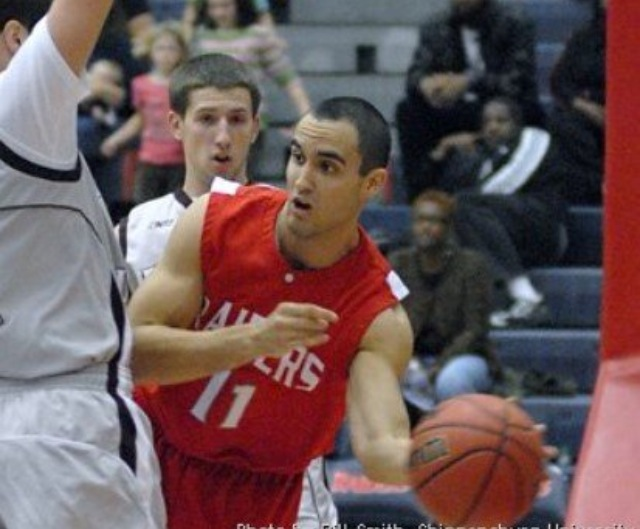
x,y
522,313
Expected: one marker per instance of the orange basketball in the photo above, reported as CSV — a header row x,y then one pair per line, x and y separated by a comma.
x,y
476,461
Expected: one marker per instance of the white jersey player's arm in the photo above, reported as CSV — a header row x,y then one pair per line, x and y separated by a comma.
x,y
166,305
378,420
75,26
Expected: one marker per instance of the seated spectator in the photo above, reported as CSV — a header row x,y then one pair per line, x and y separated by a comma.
x,y
577,121
98,117
231,27
193,8
449,305
509,186
481,49
160,157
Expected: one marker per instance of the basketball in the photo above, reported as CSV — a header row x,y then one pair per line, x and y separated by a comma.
x,y
476,461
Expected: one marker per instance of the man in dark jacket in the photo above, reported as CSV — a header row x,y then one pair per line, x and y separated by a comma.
x,y
480,49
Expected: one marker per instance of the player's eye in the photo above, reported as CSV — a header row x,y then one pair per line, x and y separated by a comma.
x,y
296,155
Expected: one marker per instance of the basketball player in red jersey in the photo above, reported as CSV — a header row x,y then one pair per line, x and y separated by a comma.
x,y
305,320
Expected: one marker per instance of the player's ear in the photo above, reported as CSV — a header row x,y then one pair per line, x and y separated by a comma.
x,y
175,125
13,35
257,125
375,181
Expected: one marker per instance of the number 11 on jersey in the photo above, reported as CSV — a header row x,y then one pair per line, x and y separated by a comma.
x,y
242,395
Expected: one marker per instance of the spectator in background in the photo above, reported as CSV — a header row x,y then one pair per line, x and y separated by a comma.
x,y
128,22
481,49
577,122
193,8
231,27
511,206
448,305
98,117
160,158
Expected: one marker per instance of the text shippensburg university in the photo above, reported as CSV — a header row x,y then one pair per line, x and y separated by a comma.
x,y
436,526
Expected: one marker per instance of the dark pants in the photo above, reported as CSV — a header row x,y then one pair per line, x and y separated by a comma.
x,y
515,232
420,128
580,145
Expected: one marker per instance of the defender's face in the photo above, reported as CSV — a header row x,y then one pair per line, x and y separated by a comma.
x,y
217,132
326,191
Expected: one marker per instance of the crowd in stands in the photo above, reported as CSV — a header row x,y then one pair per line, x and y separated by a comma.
x,y
470,124
145,41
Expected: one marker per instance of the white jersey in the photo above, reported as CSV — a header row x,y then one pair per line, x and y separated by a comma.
x,y
60,309
75,450
144,233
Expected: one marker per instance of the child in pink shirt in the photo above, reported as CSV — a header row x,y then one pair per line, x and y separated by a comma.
x,y
160,167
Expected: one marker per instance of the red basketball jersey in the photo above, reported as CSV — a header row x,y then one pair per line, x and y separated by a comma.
x,y
271,415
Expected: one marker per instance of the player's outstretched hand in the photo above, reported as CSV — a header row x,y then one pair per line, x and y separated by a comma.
x,y
292,325
550,453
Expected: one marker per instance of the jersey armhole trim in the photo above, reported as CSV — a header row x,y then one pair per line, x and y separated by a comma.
x,y
18,163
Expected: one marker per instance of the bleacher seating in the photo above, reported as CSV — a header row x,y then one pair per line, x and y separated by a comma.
x,y
325,39
571,353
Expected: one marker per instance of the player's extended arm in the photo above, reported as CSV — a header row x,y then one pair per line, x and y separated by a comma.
x,y
75,26
380,431
163,309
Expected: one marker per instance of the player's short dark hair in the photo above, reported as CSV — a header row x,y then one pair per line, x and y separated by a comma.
x,y
27,12
374,136
211,70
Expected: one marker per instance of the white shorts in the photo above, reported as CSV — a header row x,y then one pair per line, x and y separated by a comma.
x,y
317,509
75,457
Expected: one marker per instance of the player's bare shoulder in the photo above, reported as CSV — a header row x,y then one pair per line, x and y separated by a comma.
x,y
390,335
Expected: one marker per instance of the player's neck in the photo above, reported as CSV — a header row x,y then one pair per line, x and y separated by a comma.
x,y
315,251
195,188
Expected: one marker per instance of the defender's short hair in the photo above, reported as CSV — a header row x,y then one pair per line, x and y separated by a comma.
x,y
211,70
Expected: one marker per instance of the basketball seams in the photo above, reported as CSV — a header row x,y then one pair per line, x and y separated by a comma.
x,y
494,436
454,461
522,495
524,447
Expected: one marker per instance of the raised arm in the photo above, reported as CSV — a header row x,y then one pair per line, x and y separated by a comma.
x,y
378,420
75,26
163,309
